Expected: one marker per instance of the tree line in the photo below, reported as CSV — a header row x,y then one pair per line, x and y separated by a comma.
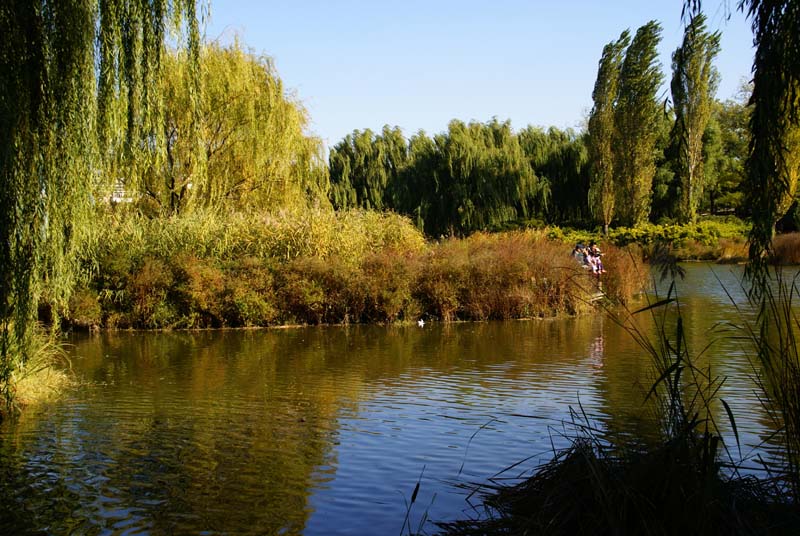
x,y
640,157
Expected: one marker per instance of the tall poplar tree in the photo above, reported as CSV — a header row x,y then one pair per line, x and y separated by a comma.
x,y
636,125
602,189
62,65
694,83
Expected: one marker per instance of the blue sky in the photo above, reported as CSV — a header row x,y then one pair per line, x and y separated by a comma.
x,y
418,64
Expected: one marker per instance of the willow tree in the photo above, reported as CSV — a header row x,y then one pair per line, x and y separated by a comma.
x,y
694,83
55,57
559,160
774,162
251,132
413,192
363,165
484,179
601,133
636,125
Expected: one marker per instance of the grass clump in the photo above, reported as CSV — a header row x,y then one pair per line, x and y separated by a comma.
x,y
590,488
786,249
39,376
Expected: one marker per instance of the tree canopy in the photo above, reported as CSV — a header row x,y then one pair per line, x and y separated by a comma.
x,y
601,131
62,66
694,83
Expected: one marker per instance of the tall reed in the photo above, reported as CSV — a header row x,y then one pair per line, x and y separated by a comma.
x,y
43,375
686,482
774,338
786,249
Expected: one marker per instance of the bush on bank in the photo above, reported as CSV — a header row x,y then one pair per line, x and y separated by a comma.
x,y
324,267
721,239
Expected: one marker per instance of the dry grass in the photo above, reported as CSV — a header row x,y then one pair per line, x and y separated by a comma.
x,y
501,276
786,249
626,274
41,385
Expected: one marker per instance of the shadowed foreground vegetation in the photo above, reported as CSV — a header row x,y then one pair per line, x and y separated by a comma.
x,y
590,489
318,267
688,480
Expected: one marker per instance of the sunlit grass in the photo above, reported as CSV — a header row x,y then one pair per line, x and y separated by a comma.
x,y
43,376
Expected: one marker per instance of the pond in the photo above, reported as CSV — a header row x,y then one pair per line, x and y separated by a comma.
x,y
326,430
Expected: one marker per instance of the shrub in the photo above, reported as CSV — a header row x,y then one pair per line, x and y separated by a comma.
x,y
316,291
786,249
625,273
199,292
84,309
149,287
388,280
207,270
439,279
249,294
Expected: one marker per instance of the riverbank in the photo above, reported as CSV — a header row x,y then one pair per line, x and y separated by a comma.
x,y
322,267
720,239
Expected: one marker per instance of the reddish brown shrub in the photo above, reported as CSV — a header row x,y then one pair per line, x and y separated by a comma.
x,y
626,274
199,292
786,248
388,278
148,287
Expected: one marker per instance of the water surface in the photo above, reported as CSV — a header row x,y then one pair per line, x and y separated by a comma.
x,y
326,430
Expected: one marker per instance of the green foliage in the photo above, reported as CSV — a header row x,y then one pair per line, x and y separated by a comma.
x,y
774,159
483,178
363,165
727,166
559,158
694,82
666,190
63,65
709,239
474,176
636,125
602,134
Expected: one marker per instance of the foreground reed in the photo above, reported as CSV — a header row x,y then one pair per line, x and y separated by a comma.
x,y
687,481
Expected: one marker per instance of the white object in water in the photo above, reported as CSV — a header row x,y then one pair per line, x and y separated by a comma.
x,y
421,323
